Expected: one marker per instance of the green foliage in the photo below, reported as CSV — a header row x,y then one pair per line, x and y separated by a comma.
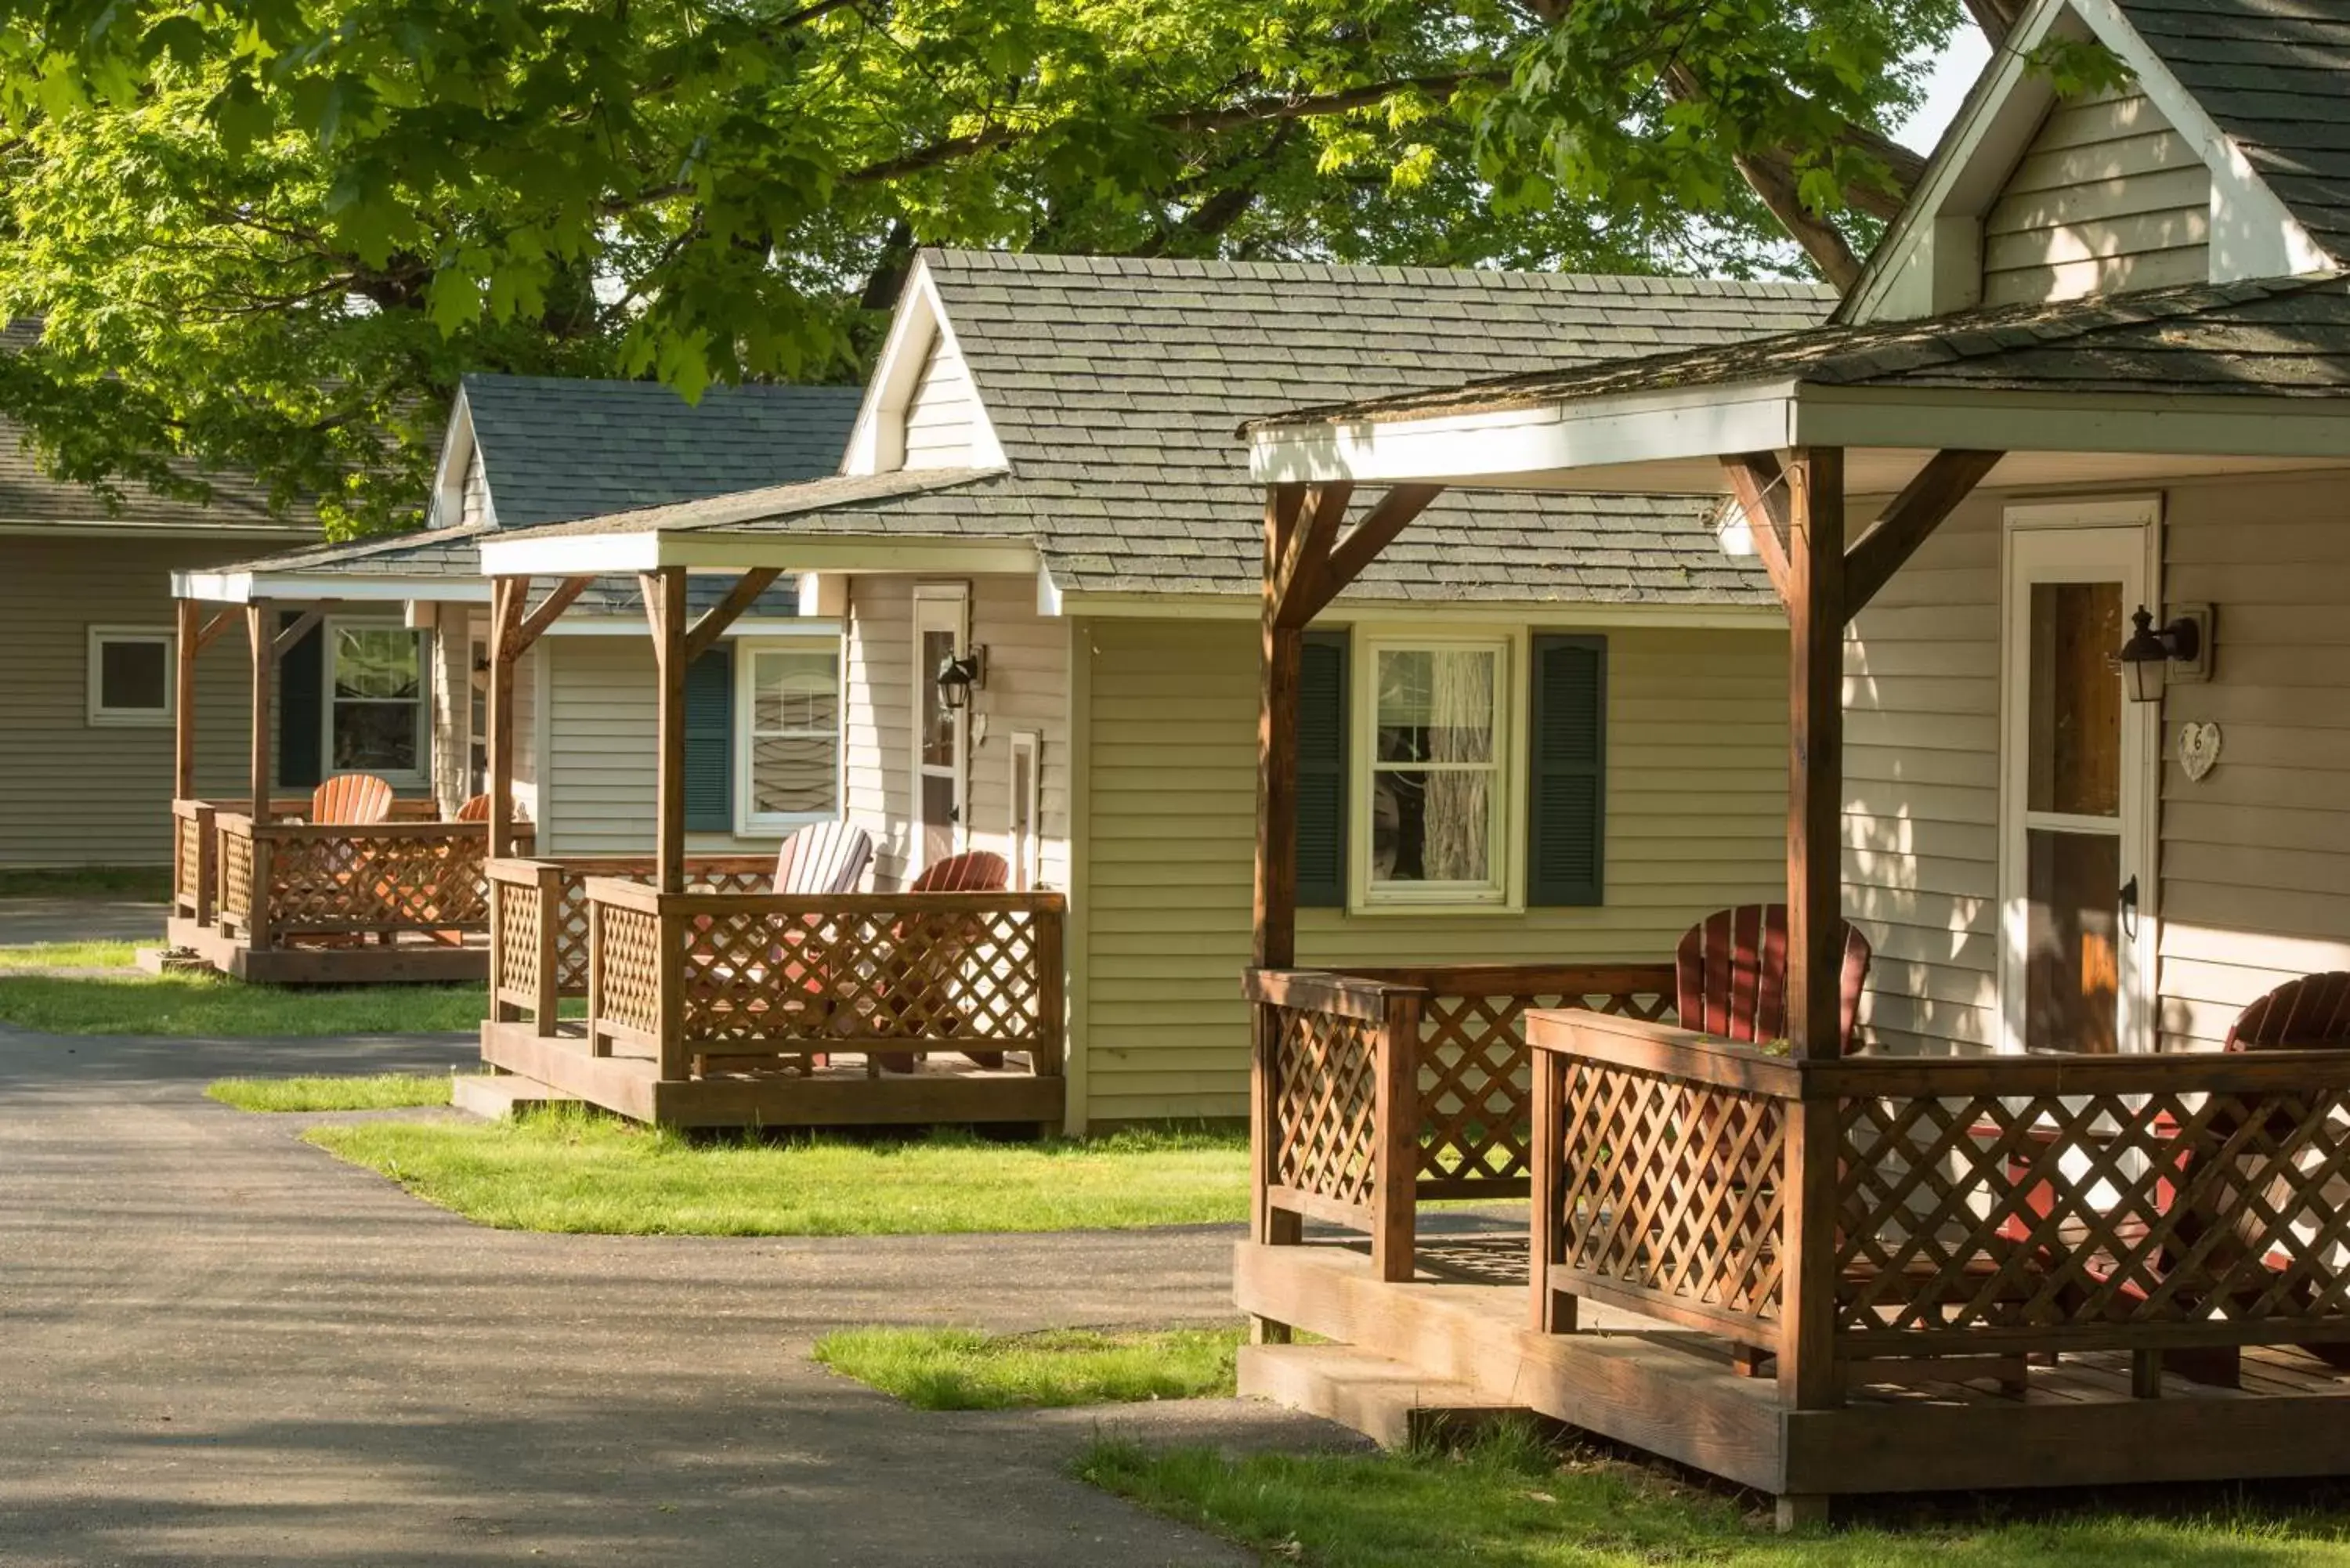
x,y
570,1169
1509,1502
962,1369
371,1092
152,884
273,235
197,1005
69,955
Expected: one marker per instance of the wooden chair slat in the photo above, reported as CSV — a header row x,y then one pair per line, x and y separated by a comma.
x,y
1731,975
824,858
351,799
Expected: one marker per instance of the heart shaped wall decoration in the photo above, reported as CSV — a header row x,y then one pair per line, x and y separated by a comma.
x,y
2198,749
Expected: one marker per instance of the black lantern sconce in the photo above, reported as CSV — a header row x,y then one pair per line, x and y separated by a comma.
x,y
959,677
2178,650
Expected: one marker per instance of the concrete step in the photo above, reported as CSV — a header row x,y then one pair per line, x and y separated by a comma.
x,y
1393,1405
494,1096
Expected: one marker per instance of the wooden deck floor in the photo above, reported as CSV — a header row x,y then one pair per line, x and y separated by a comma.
x,y
411,957
1671,1391
947,1089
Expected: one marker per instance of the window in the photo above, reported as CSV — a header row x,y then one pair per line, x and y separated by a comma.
x,y
1435,797
376,700
790,725
131,675
1025,831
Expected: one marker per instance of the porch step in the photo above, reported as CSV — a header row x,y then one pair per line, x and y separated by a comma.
x,y
1393,1405
494,1096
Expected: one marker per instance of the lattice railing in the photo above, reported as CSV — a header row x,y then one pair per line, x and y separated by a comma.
x,y
193,869
234,851
745,974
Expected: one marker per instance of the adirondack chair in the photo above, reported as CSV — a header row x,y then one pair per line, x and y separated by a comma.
x,y
476,808
827,857
351,799
1729,975
931,962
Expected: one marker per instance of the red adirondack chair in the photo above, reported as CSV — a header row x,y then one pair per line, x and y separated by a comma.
x,y
351,799
1729,975
929,963
2309,1013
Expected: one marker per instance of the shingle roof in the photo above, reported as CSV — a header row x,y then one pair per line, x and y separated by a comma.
x,y
238,505
2269,73
1115,386
440,552
2289,338
555,449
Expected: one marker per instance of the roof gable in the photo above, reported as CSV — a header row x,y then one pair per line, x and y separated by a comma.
x,y
1963,225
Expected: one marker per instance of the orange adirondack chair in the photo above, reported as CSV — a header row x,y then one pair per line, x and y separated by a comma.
x,y
975,871
1731,975
351,799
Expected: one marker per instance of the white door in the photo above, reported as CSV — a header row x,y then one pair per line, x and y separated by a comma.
x,y
2077,791
941,738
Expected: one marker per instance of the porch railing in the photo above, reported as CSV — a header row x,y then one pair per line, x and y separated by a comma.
x,y
276,881
1885,1209
1341,1052
538,914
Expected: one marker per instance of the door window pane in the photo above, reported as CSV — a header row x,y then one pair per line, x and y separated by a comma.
x,y
795,735
1434,780
2076,699
2073,932
938,725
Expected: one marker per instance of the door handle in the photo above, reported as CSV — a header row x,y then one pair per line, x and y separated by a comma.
x,y
2129,909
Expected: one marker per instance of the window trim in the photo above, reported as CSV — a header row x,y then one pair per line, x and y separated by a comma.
x,y
1027,850
1507,894
98,714
418,777
770,825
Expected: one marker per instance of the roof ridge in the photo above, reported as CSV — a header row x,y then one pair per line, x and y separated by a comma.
x,y
1066,264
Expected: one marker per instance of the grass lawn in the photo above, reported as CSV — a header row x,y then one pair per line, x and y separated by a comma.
x,y
569,1169
150,883
1509,1502
185,1005
962,1369
367,1092
69,955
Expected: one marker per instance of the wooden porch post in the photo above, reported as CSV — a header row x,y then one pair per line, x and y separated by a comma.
x,y
506,596
185,645
1273,931
665,605
1815,615
259,614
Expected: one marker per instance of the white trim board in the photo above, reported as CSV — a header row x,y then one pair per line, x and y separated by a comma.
x,y
645,550
243,587
877,443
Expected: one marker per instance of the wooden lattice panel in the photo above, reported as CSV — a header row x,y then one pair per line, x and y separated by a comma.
x,y
1671,1190
355,880
630,976
236,875
571,917
521,914
1476,1076
1324,1104
187,858
2097,1211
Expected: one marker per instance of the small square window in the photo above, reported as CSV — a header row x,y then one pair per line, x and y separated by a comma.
x,y
130,675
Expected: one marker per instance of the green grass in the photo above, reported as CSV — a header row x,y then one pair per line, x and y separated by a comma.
x,y
370,1092
1511,1503
196,1005
962,1369
152,884
574,1170
69,955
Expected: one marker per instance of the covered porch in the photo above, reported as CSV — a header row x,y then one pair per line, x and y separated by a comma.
x,y
262,889
711,990
2063,1249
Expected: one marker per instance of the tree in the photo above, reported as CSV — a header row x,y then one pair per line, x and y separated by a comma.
x,y
270,234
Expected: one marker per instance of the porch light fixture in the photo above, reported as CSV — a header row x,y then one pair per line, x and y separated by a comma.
x,y
2147,656
958,677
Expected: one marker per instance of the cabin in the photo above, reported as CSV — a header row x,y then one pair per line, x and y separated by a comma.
x,y
2008,1149
1045,568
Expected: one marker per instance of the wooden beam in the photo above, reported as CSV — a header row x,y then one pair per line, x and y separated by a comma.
x,y
1759,485
1816,752
297,629
711,622
665,611
1362,543
506,597
1275,920
258,613
1304,562
185,645
214,627
556,601
1947,478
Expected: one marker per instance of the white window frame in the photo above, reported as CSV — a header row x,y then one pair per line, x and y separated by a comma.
x,y
1506,894
419,776
749,824
1026,850
934,603
100,715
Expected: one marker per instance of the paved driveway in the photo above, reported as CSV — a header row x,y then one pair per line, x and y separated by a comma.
x,y
80,920
223,1346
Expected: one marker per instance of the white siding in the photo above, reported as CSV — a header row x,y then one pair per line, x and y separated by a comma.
x,y
452,695
1696,820
475,507
2107,197
943,413
72,794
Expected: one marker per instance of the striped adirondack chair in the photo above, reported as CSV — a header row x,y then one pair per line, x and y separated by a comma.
x,y
1731,975
825,857
2309,1013
475,809
975,871
351,799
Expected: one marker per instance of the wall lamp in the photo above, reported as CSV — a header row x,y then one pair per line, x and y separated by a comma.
x,y
958,677
2178,650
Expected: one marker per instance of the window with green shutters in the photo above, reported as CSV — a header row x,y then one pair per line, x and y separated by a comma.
x,y
710,742
1566,794
1324,676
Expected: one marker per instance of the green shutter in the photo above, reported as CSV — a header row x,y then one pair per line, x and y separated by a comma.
x,y
301,706
709,741
1566,830
1322,772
